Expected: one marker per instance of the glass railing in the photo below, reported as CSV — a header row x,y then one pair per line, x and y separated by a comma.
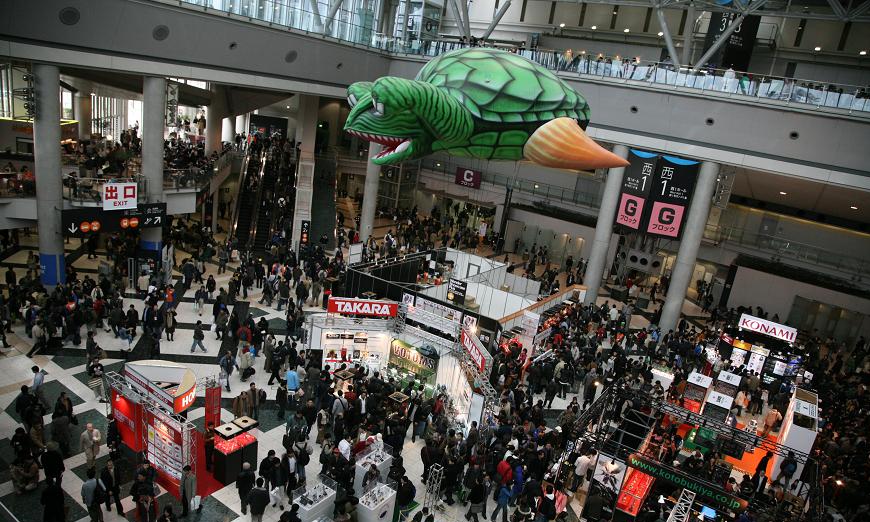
x,y
196,177
788,248
289,13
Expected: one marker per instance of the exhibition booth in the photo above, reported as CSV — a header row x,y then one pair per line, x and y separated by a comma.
x,y
761,346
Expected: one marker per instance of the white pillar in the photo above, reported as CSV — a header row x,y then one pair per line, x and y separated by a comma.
x,y
596,266
49,183
214,115
228,127
370,194
693,231
153,125
240,125
306,134
82,109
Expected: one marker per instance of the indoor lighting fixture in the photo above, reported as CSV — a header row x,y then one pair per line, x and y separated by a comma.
x,y
536,185
661,33
781,193
625,30
614,12
853,207
562,25
817,48
838,482
288,106
862,53
594,27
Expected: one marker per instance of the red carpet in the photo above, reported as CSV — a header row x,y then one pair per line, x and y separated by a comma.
x,y
206,484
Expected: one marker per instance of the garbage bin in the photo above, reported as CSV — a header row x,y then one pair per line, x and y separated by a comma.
x,y
326,294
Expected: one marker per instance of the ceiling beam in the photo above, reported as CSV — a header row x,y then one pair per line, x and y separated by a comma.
x,y
672,50
860,10
838,9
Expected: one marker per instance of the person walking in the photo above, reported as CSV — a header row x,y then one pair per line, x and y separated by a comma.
x,y
504,497
258,499
245,483
198,336
90,441
188,491
477,499
111,480
93,495
53,502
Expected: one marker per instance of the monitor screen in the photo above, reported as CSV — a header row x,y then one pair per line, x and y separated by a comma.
x,y
708,513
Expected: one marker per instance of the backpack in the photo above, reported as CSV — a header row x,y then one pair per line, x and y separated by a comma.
x,y
303,458
790,467
99,494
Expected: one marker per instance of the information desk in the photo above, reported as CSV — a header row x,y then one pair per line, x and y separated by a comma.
x,y
315,501
377,504
377,453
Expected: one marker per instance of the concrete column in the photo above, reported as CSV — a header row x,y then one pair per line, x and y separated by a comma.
x,y
240,125
214,114
228,130
306,134
693,231
370,194
82,110
49,184
153,125
595,267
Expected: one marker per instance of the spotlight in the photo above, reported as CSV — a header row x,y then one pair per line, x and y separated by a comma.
x,y
817,48
625,30
661,33
594,27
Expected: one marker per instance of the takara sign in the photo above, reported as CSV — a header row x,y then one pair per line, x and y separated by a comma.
x,y
780,331
346,306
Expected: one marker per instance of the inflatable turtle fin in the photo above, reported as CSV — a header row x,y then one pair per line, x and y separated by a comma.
x,y
562,144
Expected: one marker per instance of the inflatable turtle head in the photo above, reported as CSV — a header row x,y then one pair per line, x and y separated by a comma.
x,y
479,103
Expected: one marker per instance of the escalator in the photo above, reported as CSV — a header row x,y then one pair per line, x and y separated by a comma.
x,y
247,201
267,207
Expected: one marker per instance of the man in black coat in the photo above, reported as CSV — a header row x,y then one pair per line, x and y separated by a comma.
x,y
112,484
258,498
245,483
52,462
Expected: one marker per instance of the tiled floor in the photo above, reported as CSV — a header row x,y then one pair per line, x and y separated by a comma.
x,y
65,371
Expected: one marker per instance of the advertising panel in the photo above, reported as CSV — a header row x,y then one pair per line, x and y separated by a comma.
x,y
671,192
636,183
474,348
680,479
468,177
737,51
757,324
164,449
119,196
127,414
456,290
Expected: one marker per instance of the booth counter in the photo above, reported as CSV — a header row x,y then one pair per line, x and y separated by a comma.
x,y
378,454
695,395
377,504
317,500
235,446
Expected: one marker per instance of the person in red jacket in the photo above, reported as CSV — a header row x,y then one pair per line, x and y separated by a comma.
x,y
505,472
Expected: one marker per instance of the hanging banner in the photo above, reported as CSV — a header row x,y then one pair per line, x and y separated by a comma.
x,y
671,192
119,196
475,349
736,53
171,104
683,480
468,177
636,183
757,324
349,306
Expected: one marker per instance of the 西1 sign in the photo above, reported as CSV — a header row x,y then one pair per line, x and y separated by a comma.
x,y
120,196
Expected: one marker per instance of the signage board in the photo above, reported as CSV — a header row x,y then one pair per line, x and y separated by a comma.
x,y
636,183
703,489
367,307
530,322
474,348
456,291
776,330
671,192
406,356
543,336
164,449
468,177
171,104
127,414
81,222
174,403
736,53
120,196
305,237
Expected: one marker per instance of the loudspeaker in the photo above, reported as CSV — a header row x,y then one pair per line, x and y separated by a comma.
x,y
641,261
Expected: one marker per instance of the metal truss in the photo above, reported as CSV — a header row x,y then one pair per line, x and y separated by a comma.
x,y
433,487
682,512
852,11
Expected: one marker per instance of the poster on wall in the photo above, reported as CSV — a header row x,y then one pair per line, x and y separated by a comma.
x,y
636,183
127,413
609,472
671,192
164,449
456,290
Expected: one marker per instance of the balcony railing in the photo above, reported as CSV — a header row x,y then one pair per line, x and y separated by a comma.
x,y
736,85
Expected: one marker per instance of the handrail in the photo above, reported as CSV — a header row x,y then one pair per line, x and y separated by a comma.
x,y
843,97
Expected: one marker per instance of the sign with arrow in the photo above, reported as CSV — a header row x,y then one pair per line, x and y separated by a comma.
x,y
82,222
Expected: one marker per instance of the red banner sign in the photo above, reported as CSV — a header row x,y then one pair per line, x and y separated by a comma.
x,y
127,417
475,349
213,405
348,306
468,178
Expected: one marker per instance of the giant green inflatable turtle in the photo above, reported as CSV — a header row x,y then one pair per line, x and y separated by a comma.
x,y
480,103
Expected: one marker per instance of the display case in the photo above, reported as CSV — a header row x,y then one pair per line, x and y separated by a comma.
x,y
317,500
717,406
377,453
229,455
727,383
378,503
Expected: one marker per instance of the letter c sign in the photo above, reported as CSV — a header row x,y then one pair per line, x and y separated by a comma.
x,y
468,177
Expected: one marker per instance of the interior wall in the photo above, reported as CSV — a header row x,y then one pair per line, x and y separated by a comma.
x,y
776,294
559,226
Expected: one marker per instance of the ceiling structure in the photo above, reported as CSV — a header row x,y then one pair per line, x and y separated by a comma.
x,y
839,10
821,198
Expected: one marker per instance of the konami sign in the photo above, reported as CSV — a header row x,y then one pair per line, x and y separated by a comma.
x,y
348,306
756,324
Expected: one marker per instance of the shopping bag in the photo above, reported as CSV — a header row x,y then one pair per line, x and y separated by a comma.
x,y
195,502
275,495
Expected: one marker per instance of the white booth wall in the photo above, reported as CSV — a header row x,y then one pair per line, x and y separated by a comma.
x,y
492,302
